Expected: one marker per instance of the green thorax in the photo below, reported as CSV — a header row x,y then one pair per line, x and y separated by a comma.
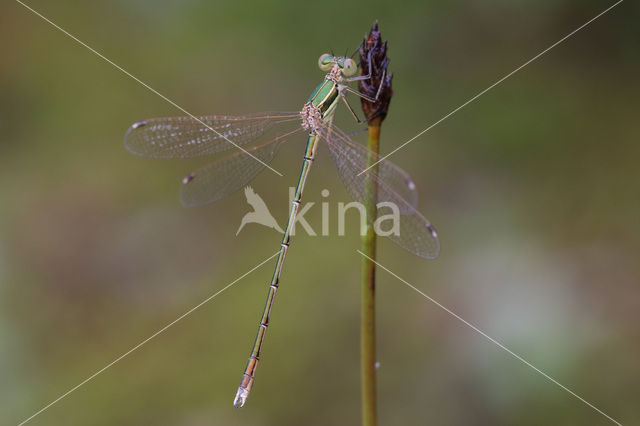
x,y
325,96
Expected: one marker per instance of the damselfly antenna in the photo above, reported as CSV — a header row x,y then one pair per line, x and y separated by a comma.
x,y
357,49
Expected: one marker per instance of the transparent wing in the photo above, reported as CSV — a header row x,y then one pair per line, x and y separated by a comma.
x,y
186,137
414,232
229,174
393,176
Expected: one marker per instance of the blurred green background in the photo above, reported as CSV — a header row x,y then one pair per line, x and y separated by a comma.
x,y
534,189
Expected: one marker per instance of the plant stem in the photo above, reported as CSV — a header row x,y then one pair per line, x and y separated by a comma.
x,y
373,58
368,310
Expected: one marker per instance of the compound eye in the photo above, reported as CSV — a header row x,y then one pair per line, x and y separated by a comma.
x,y
325,62
349,68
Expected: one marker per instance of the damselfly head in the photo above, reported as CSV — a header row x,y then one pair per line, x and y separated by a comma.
x,y
347,66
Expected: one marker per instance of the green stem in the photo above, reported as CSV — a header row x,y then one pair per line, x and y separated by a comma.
x,y
368,309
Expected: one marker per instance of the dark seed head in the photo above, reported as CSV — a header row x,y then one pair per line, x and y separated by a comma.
x,y
373,54
188,178
139,124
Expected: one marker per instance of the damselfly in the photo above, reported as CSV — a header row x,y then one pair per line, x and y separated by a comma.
x,y
256,139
